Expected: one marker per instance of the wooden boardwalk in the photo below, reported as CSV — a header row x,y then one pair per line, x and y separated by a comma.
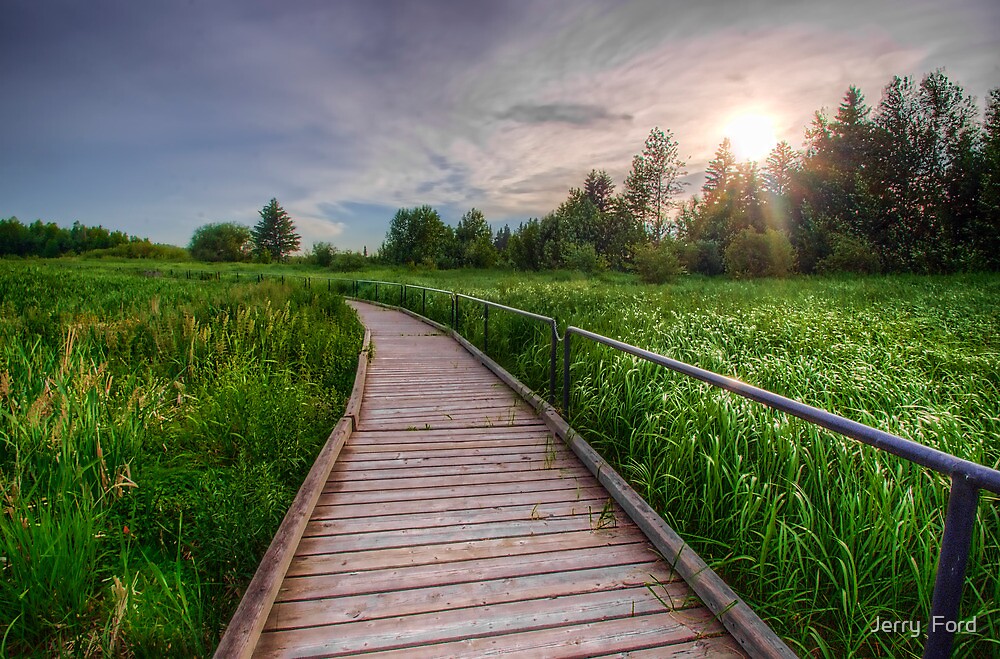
x,y
453,523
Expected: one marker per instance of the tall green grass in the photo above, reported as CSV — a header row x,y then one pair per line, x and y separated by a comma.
x,y
822,535
152,433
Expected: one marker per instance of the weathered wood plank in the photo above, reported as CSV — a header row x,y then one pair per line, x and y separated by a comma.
x,y
408,601
377,559
398,483
337,511
485,621
455,533
619,637
421,519
466,571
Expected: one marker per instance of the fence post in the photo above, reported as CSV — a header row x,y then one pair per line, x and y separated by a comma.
x,y
958,522
423,305
565,391
402,296
376,291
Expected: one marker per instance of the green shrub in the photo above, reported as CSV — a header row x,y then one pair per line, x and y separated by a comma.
x,y
658,264
701,256
850,254
755,254
584,258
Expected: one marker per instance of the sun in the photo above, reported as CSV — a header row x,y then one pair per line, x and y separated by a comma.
x,y
752,136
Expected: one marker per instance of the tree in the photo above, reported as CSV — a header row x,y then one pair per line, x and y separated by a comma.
x,y
987,231
417,236
600,189
474,241
224,241
654,181
778,169
275,233
719,171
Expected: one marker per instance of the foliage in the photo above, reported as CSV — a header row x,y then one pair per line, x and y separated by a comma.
x,y
756,254
417,236
658,263
152,434
49,240
275,233
474,241
224,241
655,179
849,254
141,249
701,256
322,254
583,258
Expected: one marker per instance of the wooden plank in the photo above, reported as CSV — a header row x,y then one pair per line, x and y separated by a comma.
x,y
335,511
409,601
434,493
421,519
485,621
398,483
476,443
447,552
466,571
442,534
713,647
618,636
458,461
533,448
428,471
453,435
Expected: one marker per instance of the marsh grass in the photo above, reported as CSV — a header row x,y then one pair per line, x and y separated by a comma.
x,y
152,433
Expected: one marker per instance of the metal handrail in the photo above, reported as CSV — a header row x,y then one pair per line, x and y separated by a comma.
x,y
551,322
967,477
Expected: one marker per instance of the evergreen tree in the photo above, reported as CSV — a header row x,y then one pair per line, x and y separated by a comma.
x,y
720,169
275,233
987,229
600,188
779,168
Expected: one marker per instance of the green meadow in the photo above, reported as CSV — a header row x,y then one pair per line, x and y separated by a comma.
x,y
156,427
153,431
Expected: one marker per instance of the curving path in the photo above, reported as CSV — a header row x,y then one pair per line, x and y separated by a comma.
x,y
453,523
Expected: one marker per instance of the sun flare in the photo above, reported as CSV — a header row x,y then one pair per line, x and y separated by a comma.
x,y
751,135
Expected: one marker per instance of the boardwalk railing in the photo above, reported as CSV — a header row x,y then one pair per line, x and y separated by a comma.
x,y
967,478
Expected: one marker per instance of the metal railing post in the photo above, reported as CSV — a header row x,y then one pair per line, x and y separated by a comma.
x,y
486,329
402,296
423,305
553,356
959,520
565,390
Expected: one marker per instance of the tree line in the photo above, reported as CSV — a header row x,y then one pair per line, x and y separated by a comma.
x,y
910,185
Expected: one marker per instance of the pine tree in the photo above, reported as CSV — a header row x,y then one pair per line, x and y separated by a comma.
x,y
600,188
779,167
275,233
720,169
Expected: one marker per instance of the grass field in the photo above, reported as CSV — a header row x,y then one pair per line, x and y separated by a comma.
x,y
152,433
820,534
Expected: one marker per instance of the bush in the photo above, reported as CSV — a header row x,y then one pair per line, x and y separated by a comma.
x,y
850,254
141,249
225,241
658,264
701,256
348,261
322,254
754,254
584,258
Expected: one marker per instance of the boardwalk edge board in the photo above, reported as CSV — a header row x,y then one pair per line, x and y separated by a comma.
x,y
247,623
739,619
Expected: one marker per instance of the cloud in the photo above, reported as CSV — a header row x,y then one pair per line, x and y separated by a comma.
x,y
578,114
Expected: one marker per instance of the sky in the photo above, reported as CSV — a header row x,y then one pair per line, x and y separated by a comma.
x,y
158,117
